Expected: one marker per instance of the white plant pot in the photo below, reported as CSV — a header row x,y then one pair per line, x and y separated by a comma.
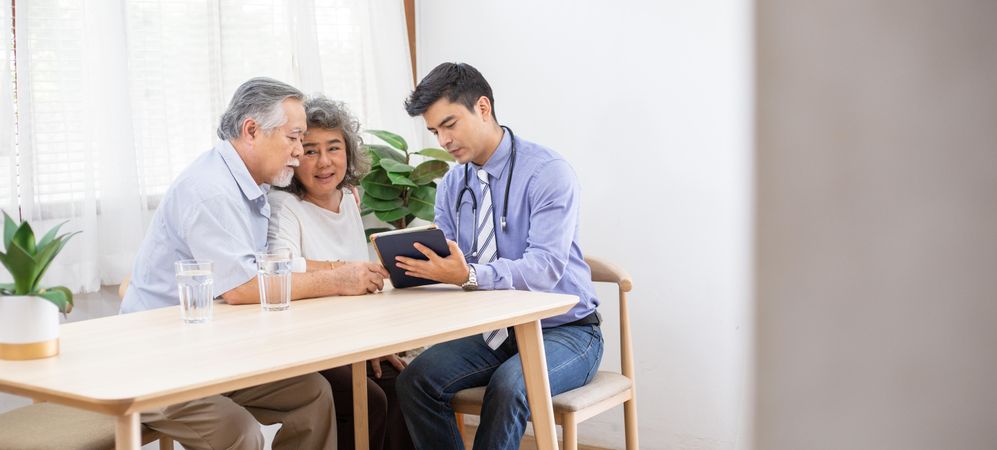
x,y
29,328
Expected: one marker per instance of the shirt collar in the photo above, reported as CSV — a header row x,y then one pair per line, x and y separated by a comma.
x,y
496,165
240,172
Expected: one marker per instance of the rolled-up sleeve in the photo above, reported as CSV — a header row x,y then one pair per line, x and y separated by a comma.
x,y
215,231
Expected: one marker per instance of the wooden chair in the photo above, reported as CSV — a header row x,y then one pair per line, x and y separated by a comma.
x,y
123,287
50,426
605,391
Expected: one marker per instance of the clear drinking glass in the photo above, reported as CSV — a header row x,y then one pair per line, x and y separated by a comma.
x,y
194,284
274,277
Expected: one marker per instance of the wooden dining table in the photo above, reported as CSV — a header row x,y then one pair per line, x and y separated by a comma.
x,y
126,364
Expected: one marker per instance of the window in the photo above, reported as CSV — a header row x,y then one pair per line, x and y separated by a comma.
x,y
102,106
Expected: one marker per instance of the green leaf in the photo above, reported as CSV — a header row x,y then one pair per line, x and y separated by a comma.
x,y
392,139
9,227
366,212
25,238
41,261
27,262
60,296
421,202
428,171
437,153
377,204
371,231
43,264
391,216
398,179
50,235
21,267
396,167
383,152
377,184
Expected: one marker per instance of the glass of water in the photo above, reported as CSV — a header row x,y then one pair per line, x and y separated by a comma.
x,y
274,277
194,283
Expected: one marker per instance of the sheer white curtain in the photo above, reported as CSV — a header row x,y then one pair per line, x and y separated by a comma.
x,y
8,151
115,97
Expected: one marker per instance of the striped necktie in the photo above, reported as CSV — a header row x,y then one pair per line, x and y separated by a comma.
x,y
487,249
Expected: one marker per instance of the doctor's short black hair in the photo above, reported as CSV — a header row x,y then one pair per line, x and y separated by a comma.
x,y
458,82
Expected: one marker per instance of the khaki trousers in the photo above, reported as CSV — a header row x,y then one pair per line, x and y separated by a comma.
x,y
303,405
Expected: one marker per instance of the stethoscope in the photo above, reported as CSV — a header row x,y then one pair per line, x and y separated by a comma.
x,y
474,198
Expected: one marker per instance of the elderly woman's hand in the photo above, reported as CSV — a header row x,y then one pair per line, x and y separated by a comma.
x,y
356,278
375,364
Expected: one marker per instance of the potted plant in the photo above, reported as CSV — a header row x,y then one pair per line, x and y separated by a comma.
x,y
395,191
29,314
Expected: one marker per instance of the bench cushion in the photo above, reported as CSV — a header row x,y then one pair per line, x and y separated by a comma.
x,y
44,426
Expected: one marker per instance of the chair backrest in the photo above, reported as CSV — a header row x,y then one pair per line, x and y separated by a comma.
x,y
123,287
607,272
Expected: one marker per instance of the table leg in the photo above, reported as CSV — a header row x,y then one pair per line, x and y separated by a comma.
x,y
360,428
127,432
529,337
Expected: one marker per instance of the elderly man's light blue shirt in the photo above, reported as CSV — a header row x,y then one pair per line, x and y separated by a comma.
x,y
213,211
538,250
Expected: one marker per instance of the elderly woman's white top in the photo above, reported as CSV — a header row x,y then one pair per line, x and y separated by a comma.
x,y
316,233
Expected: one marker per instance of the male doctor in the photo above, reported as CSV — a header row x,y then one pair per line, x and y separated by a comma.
x,y
523,234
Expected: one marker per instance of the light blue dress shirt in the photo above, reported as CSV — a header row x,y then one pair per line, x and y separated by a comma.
x,y
538,251
213,211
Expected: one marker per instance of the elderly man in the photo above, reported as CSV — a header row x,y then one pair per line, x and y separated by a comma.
x,y
217,210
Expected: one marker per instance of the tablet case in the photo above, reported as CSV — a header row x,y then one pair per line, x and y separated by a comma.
x,y
390,244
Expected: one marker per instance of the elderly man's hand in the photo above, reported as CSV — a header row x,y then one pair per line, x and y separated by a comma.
x,y
452,269
356,278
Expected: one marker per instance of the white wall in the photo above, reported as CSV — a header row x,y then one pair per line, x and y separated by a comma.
x,y
877,225
649,101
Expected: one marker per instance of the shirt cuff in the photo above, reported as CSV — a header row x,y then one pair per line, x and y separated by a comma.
x,y
485,275
298,265
236,276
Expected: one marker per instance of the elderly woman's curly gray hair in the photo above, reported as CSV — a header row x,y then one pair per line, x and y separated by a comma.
x,y
323,113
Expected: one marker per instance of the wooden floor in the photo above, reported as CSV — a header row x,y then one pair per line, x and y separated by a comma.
x,y
528,442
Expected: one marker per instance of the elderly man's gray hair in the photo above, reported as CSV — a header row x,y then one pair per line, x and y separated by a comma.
x,y
260,99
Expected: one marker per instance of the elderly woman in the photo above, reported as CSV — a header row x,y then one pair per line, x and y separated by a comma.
x,y
317,217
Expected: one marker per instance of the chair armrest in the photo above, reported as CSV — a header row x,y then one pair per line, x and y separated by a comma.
x,y
605,271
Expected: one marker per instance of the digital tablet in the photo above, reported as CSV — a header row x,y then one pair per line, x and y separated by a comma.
x,y
390,244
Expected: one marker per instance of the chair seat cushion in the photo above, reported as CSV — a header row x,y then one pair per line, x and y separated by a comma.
x,y
50,426
604,385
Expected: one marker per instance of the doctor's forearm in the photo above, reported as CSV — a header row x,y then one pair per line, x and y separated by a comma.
x,y
538,271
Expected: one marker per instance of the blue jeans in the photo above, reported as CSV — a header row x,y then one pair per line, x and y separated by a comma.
x,y
426,386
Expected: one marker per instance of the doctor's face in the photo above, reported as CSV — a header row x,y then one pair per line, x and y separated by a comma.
x,y
462,132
